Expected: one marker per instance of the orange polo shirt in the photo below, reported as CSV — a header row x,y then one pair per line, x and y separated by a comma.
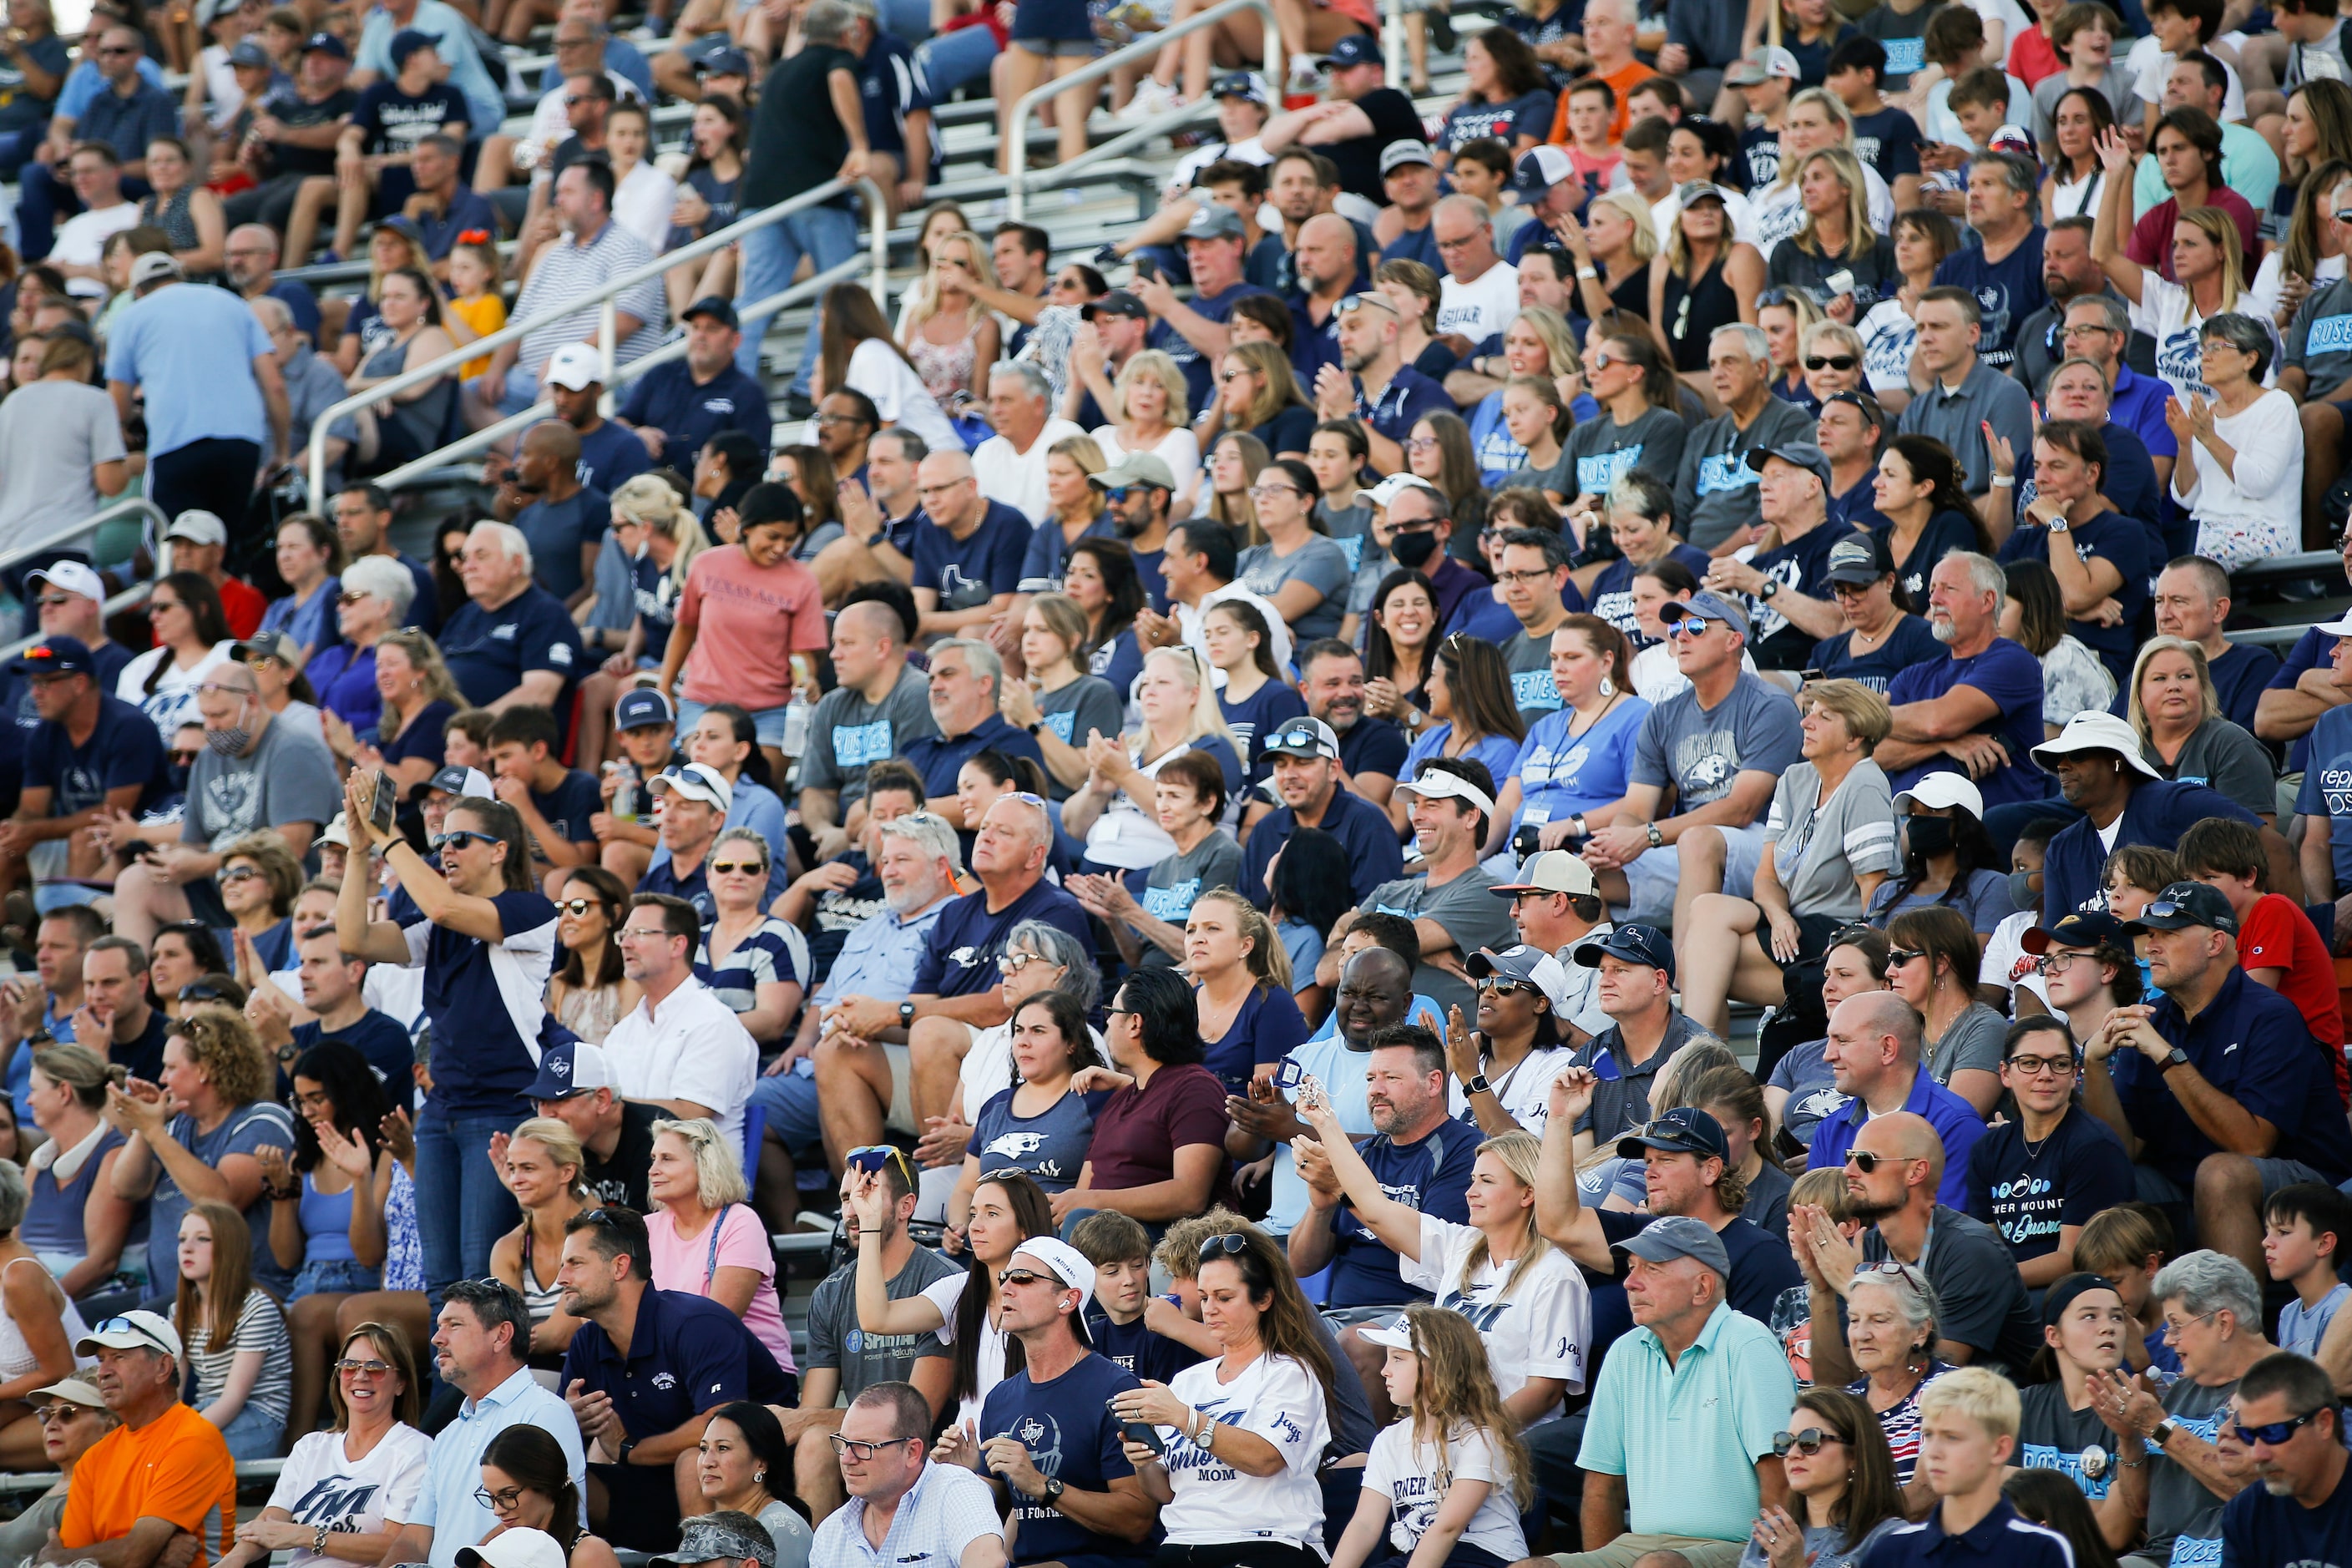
x,y
176,1467
1622,80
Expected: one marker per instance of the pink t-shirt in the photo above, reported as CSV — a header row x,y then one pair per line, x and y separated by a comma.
x,y
748,622
742,1243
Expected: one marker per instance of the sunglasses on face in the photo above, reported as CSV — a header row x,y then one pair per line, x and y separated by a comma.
x,y
459,838
1807,1442
1692,627
1831,362
50,1414
729,867
49,600
2273,1432
1026,1277
1862,1159
1898,956
576,908
201,991
362,1368
241,873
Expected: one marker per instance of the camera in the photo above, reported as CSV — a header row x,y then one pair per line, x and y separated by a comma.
x,y
1598,547
1526,839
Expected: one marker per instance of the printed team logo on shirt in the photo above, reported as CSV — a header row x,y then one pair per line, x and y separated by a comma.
x,y
1905,56
1535,688
2187,1553
1595,474
856,746
664,1380
1704,765
1818,1104
965,957
559,653
2329,335
2044,1457
1172,903
503,633
1013,1145
2336,788
1726,471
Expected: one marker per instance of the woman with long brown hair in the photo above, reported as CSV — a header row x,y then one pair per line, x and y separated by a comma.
x,y
1472,714
1397,647
857,350
1639,428
588,993
1258,394
1234,464
235,1333
1842,1494
192,640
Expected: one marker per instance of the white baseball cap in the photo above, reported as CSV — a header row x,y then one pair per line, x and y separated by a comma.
x,y
73,576
198,526
696,781
1943,790
2095,731
1437,783
574,367
514,1548
1395,485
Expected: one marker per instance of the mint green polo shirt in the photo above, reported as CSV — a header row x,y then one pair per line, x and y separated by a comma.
x,y
1686,1435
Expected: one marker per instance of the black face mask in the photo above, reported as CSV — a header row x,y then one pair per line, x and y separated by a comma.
x,y
177,773
1413,549
1930,835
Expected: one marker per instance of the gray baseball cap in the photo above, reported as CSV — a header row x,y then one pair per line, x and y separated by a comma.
x,y
1679,1236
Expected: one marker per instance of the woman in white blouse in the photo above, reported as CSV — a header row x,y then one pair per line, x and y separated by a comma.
x,y
1242,1436
856,350
643,196
2240,472
1148,414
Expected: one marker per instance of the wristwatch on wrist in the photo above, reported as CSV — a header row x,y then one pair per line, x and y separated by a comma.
x,y
879,535
1054,1489
2001,481
1657,839
2175,1057
621,1454
905,1015
1577,822
2060,525
2162,1433
1477,1084
1771,587
1588,272
1035,725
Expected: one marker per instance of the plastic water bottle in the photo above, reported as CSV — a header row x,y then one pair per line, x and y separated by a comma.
x,y
797,713
624,797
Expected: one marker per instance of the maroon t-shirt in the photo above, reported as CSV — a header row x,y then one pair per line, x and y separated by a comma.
x,y
2151,238
1137,1134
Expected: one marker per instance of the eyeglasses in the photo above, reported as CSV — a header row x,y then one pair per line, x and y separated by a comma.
x,y
2173,1331
1523,576
1420,443
185,759
839,419
1230,1245
494,1500
2059,963
1504,985
1898,956
2273,1432
729,867
110,51
1015,963
1850,590
222,689
1261,491
363,1368
47,600
457,838
1807,1442
1831,362
2043,1067
864,1452
1228,376
640,934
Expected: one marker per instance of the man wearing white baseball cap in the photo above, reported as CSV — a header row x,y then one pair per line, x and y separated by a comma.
x,y
1047,1433
199,541
1556,903
160,1472
1451,803
1523,995
66,595
2123,800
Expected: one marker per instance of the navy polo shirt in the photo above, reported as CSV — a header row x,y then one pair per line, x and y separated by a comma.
x,y
2158,812
688,413
695,888
489,651
1433,1176
686,1354
1362,829
1311,346
958,958
2252,1044
939,759
1411,396
2311,651
2001,1539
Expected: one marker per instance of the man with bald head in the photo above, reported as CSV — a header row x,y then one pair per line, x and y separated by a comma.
x,y
563,520
967,549
1890,1177
249,262
880,704
1325,263
1872,1049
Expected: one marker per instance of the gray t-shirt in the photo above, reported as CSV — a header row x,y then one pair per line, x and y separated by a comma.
x,y
2222,756
51,433
1974,1278
1700,752
847,733
1175,882
2178,1502
1714,490
1811,1088
1767,1202
1085,708
1972,1042
835,1340
1600,452
1985,900
287,777
243,1131
1528,659
1473,917
1822,846
1321,563
2319,339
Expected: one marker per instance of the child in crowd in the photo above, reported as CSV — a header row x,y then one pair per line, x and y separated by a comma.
x,y
2303,1226
235,1333
465,738
1119,1325
480,307
1592,105
2125,1246
1968,1432
1443,1484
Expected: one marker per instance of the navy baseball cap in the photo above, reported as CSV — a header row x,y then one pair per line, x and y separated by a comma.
x,y
1708,607
327,43
407,41
642,708
724,62
1239,84
716,306
2185,904
58,655
1355,49
573,1068
1684,1130
2091,928
1634,944
249,53
1803,454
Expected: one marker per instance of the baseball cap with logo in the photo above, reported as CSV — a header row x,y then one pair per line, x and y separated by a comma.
x,y
1241,84
696,781
1540,169
2083,928
56,656
573,1068
1397,154
469,781
73,576
717,1538
575,367
1634,943
1762,64
327,44
1211,221
1527,966
1355,49
1304,738
2185,904
1684,1130
643,709
1859,561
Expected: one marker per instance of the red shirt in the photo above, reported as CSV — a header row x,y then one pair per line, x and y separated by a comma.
x,y
2151,237
2279,935
2033,56
243,604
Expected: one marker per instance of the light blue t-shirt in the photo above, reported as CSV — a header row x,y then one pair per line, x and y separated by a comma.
x,y
446,1505
2301,1328
1561,775
192,347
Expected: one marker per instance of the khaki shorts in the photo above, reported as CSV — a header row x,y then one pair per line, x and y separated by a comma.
x,y
901,1117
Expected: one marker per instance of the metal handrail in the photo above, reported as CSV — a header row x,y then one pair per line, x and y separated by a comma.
x,y
118,506
879,220
1016,181
465,446
1392,38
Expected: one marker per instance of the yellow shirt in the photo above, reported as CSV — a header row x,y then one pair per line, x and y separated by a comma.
x,y
485,315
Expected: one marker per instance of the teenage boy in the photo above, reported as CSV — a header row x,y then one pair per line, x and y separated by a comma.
x,y
648,727
1967,1433
2304,1228
1885,137
556,803
1118,1325
1592,105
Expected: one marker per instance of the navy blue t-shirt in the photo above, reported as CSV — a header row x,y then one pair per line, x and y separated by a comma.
x,y
1801,566
2007,292
1268,1028
1910,643
1071,1434
482,1000
568,805
2027,1192
384,1044
1434,1176
123,749
960,955
2122,541
1888,141
610,457
688,413
1199,375
1945,532
1259,714
2158,812
489,651
1372,745
1362,829
2011,678
694,887
939,759
1147,1355
1051,1145
1858,508
2311,651
559,529
1613,591
967,572
2258,1529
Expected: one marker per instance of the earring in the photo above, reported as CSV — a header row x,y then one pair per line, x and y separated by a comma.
x,y
759,1477
1608,687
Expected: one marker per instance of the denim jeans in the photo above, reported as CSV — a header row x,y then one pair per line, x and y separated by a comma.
x,y
462,1207
828,235
255,1433
951,60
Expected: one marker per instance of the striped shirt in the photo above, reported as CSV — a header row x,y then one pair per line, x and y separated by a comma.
x,y
568,271
946,1511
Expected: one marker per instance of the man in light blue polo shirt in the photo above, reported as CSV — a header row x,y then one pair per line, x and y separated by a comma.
x,y
903,1507
1683,1423
484,1332
215,400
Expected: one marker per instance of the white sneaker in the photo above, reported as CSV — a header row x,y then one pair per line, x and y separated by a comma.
x,y
1151,99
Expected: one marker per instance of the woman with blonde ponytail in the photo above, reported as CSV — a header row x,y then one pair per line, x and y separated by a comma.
x,y
1241,979
1452,1473
1116,811
1523,1295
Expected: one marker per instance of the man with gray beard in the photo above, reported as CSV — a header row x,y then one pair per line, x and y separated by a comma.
x,y
1978,713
